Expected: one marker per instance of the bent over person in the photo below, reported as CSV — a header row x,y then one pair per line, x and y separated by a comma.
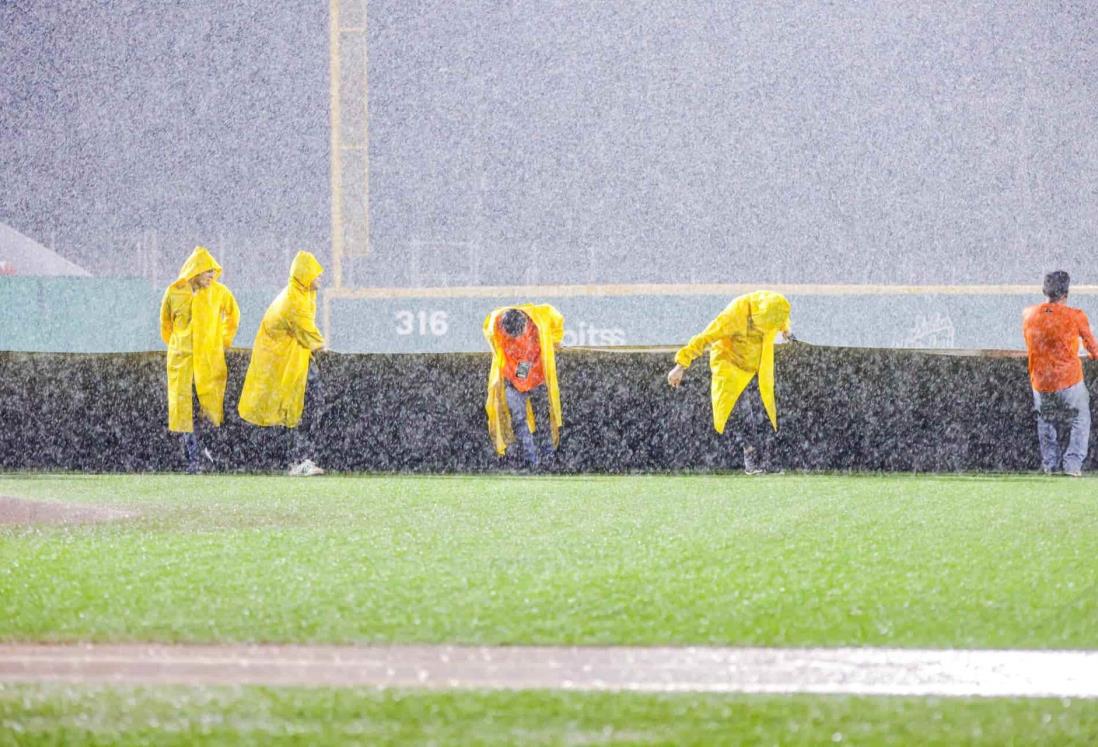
x,y
522,384
282,365
741,357
198,321
1052,332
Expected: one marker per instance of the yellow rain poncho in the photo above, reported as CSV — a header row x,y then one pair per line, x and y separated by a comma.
x,y
197,326
741,341
550,326
274,387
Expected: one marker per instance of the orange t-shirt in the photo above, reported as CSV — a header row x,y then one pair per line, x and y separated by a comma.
x,y
1052,332
521,357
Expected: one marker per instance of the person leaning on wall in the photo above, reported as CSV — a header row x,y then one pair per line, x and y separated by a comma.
x,y
1052,332
741,359
198,321
282,366
522,383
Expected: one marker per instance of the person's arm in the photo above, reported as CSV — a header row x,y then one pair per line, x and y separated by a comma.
x,y
734,316
1088,337
303,327
166,317
231,315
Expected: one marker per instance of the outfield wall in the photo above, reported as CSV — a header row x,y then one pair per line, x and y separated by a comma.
x,y
121,315
98,315
445,320
840,409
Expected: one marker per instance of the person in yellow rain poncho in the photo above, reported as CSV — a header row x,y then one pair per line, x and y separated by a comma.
x,y
522,383
198,320
282,364
741,359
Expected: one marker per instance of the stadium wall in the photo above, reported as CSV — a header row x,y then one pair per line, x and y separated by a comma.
x,y
121,315
840,409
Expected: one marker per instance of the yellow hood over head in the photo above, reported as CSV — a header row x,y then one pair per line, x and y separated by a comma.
x,y
197,325
769,310
199,262
278,372
550,324
305,269
741,347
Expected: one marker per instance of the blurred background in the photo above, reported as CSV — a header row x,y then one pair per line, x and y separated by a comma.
x,y
905,171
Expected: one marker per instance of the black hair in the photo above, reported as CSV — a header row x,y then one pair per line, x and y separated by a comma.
x,y
513,322
1056,285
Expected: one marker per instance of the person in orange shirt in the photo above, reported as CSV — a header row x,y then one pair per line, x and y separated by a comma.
x,y
1052,332
523,398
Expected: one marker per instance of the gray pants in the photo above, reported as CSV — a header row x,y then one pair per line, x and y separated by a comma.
x,y
1063,427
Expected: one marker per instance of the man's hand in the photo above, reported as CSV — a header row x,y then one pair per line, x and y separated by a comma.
x,y
674,378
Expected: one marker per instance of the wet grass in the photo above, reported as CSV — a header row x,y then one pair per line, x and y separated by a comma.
x,y
785,561
269,716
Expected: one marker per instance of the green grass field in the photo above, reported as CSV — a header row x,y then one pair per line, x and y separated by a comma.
x,y
792,560
264,716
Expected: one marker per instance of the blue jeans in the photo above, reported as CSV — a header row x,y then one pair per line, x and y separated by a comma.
x,y
191,447
1063,427
193,441
533,452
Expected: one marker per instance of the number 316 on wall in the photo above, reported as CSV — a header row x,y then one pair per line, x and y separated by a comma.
x,y
421,323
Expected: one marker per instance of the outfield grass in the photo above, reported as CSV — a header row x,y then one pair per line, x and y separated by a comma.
x,y
784,560
263,716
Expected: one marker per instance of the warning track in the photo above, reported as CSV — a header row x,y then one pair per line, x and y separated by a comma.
x,y
858,671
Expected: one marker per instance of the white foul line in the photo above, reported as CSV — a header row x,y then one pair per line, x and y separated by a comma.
x,y
854,671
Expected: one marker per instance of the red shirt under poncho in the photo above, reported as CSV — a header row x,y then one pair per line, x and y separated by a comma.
x,y
518,350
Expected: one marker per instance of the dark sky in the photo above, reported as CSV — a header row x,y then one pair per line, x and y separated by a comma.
x,y
535,141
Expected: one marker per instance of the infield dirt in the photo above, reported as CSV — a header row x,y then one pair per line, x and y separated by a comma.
x,y
19,511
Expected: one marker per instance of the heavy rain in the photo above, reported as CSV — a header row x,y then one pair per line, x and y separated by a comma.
x,y
468,261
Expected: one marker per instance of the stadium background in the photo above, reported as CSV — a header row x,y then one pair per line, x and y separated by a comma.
x,y
635,164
